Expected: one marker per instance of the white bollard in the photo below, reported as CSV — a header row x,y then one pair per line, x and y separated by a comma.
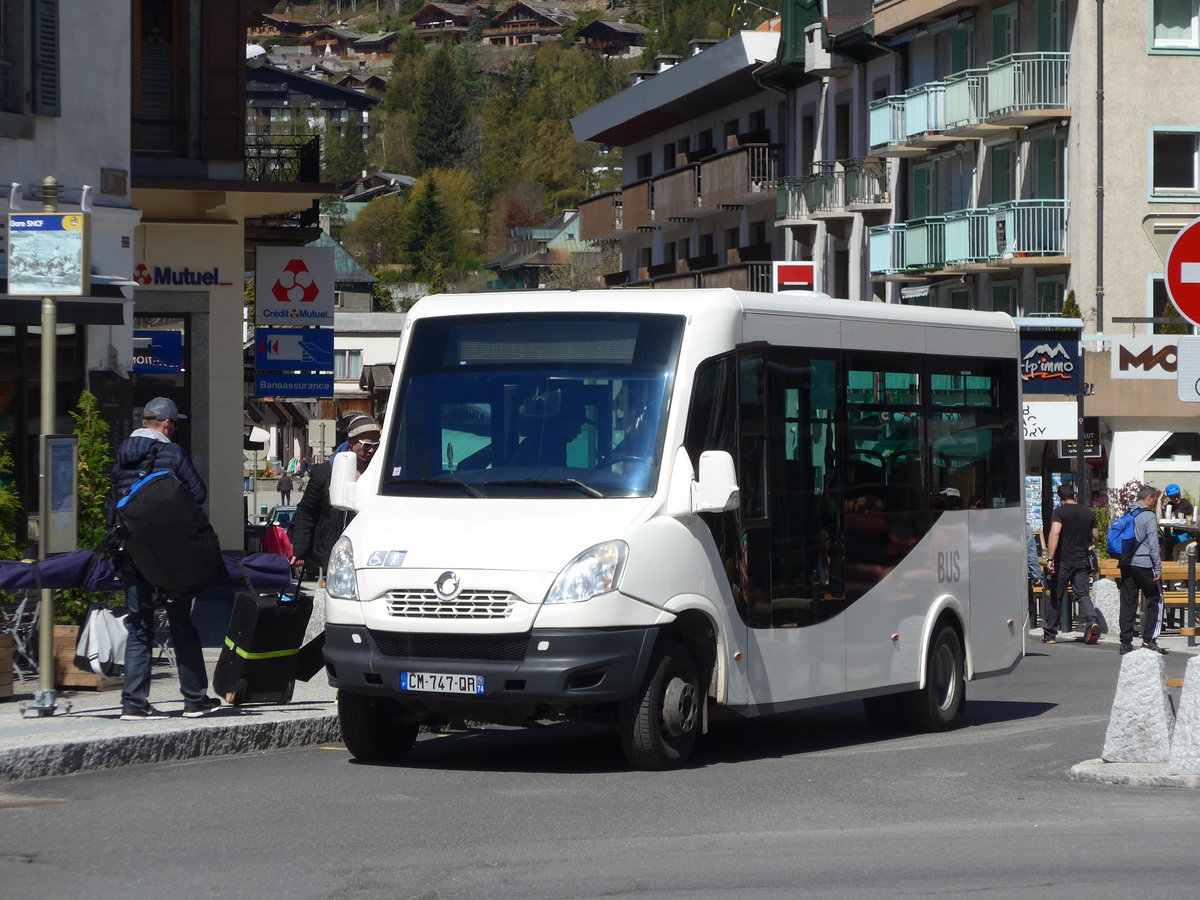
x,y
1139,728
1185,744
1106,597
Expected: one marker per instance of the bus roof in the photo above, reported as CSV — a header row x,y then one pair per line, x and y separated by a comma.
x,y
686,302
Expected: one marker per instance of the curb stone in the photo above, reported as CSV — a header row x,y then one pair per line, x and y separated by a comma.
x,y
22,763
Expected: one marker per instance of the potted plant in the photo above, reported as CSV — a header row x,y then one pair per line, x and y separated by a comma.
x,y
72,605
10,511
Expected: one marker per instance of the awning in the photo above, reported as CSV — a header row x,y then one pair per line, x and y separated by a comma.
x,y
76,311
104,306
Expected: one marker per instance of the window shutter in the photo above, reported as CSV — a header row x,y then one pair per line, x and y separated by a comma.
x,y
45,58
223,81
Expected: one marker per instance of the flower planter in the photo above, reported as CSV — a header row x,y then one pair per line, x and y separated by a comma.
x,y
67,674
6,666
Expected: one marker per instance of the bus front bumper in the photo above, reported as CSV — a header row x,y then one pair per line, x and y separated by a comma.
x,y
557,668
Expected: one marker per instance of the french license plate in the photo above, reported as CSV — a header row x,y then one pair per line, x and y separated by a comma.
x,y
441,684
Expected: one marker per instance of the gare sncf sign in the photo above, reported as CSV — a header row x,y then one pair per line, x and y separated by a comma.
x,y
1050,362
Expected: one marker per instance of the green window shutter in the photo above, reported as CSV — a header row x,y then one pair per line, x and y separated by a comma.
x,y
46,92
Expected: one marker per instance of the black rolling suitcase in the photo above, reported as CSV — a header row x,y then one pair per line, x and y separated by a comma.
x,y
262,646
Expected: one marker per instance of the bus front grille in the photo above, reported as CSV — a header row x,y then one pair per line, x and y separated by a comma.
x,y
494,647
426,604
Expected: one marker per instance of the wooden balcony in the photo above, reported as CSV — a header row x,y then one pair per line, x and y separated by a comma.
x,y
744,175
741,277
677,194
601,217
638,202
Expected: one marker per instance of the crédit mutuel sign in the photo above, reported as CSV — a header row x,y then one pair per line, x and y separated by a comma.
x,y
178,276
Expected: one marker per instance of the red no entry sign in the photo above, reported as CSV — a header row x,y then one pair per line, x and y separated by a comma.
x,y
1183,272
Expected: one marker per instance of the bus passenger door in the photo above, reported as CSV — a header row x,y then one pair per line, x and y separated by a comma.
x,y
790,527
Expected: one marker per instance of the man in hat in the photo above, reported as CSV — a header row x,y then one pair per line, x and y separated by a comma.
x,y
316,525
1068,553
160,419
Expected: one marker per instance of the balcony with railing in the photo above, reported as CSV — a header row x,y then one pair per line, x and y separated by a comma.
x,y
677,194
1030,232
925,115
1017,233
282,158
1014,90
1024,87
836,189
970,239
601,217
744,175
638,202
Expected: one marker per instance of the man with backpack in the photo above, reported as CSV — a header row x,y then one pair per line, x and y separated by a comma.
x,y
1068,553
1141,571
146,451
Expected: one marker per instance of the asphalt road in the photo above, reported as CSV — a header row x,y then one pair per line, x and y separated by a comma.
x,y
812,804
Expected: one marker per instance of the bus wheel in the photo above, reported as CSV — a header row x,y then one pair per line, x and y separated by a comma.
x,y
658,726
937,705
372,730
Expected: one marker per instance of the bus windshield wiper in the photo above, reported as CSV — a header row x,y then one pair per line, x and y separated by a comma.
x,y
441,482
550,483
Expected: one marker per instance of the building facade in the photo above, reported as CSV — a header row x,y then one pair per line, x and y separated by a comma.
x,y
987,155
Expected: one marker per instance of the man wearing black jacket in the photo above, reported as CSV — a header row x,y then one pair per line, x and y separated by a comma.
x,y
316,525
149,449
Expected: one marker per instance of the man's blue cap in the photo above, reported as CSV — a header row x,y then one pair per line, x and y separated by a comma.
x,y
1172,490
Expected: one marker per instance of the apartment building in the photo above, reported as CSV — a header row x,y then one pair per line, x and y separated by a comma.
x,y
1016,155
702,143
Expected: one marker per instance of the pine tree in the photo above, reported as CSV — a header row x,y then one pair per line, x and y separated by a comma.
x,y
429,243
441,112
344,153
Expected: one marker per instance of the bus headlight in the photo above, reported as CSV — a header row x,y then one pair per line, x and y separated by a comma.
x,y
594,571
340,580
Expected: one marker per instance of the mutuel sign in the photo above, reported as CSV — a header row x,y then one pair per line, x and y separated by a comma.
x,y
294,286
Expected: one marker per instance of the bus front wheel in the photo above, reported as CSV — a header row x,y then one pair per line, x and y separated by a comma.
x,y
371,729
936,706
658,726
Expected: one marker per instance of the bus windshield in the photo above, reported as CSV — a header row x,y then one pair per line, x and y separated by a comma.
x,y
533,405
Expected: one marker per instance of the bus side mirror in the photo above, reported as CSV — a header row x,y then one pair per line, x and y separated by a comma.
x,y
716,490
343,482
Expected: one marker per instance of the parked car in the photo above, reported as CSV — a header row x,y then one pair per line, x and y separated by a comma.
x,y
277,515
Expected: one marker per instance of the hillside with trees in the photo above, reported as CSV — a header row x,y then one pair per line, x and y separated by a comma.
x,y
486,131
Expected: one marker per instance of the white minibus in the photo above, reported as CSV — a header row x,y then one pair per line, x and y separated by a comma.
x,y
648,507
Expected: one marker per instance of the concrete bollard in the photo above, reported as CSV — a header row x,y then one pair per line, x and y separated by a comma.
x,y
1106,597
1139,728
1185,744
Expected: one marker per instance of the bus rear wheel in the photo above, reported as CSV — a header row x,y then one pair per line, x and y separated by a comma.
x,y
658,726
371,728
936,706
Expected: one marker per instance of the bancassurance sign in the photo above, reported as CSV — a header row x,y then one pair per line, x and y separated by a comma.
x,y
1050,362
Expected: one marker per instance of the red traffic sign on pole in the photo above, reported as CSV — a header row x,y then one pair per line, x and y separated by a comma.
x,y
1183,272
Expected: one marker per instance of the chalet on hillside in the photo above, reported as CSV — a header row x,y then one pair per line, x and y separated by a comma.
x,y
534,252
527,22
337,40
277,26
446,21
619,38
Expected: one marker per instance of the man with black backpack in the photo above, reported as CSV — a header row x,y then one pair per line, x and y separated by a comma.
x,y
1141,571
149,450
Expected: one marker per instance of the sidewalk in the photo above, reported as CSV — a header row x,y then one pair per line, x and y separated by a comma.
x,y
92,735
